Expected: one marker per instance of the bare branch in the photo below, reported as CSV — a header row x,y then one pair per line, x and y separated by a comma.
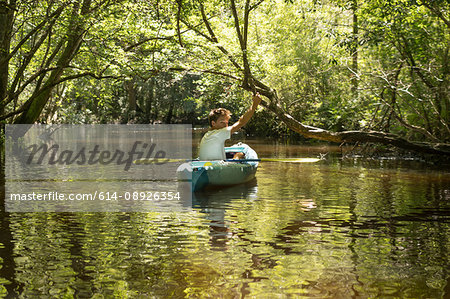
x,y
14,95
51,19
407,125
131,47
11,114
29,56
213,39
86,74
246,15
49,61
194,28
256,5
437,12
179,2
236,24
212,36
206,71
242,37
356,136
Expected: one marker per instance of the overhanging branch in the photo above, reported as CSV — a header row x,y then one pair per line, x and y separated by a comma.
x,y
305,130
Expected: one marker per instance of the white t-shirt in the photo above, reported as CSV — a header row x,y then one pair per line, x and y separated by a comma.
x,y
212,146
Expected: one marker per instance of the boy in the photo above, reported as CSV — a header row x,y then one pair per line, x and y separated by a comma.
x,y
212,143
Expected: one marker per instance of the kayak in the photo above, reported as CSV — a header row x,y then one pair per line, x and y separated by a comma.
x,y
215,173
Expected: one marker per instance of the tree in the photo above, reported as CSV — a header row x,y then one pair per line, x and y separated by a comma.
x,y
412,76
336,70
39,41
6,25
238,14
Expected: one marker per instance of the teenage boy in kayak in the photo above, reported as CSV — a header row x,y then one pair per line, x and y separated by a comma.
x,y
213,142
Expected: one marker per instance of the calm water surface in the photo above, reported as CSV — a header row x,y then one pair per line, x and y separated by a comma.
x,y
333,229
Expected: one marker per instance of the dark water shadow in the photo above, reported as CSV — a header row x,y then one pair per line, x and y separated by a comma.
x,y
7,266
213,203
223,195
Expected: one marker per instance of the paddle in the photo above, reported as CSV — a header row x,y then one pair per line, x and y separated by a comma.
x,y
291,160
285,160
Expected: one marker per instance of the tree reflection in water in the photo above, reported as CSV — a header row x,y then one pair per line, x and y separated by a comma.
x,y
331,229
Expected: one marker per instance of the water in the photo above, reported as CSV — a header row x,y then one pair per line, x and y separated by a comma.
x,y
333,229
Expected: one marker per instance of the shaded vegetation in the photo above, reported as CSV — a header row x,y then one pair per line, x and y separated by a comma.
x,y
378,67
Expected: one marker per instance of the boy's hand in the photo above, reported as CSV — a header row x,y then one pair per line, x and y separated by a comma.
x,y
256,100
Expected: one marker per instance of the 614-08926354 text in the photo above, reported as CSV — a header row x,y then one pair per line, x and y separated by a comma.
x,y
135,195
91,168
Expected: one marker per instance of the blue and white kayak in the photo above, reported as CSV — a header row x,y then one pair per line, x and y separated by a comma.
x,y
216,173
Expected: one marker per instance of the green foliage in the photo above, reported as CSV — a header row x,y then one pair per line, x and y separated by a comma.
x,y
139,63
409,44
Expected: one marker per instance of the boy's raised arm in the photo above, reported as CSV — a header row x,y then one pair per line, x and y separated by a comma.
x,y
243,120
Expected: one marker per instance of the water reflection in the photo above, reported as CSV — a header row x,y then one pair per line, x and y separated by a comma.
x,y
335,229
214,203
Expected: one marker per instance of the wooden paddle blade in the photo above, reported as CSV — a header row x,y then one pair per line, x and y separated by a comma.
x,y
291,160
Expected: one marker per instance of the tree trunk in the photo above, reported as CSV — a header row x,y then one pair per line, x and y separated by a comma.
x,y
169,114
131,89
354,49
6,23
148,104
131,96
40,97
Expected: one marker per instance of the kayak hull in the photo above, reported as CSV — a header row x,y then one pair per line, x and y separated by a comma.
x,y
203,174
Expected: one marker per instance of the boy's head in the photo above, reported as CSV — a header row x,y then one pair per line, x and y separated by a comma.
x,y
218,118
